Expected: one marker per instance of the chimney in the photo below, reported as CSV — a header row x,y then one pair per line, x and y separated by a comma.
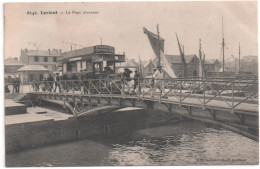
x,y
60,51
49,51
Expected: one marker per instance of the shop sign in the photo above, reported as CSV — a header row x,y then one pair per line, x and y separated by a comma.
x,y
75,59
104,49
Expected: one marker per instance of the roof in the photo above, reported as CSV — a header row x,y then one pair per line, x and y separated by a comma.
x,y
12,61
210,61
28,68
43,53
146,63
129,64
177,58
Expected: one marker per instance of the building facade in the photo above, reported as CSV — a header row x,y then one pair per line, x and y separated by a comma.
x,y
48,59
249,64
192,62
211,67
10,67
148,67
29,73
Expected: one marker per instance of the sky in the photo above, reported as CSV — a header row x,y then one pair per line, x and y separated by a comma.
x,y
120,24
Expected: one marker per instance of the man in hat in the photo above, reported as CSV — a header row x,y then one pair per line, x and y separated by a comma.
x,y
126,76
158,82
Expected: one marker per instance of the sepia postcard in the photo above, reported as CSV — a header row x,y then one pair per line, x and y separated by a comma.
x,y
159,83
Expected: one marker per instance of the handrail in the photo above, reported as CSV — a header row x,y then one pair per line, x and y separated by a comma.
x,y
232,92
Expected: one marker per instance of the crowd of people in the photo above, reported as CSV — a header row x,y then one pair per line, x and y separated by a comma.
x,y
52,83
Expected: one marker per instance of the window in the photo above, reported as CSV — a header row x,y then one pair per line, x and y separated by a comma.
x,y
36,59
41,76
54,59
69,68
31,77
45,59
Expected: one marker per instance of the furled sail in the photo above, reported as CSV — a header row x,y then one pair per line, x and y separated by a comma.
x,y
159,47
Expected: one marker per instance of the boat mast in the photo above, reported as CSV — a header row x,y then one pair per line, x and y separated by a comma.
x,y
159,46
223,48
201,60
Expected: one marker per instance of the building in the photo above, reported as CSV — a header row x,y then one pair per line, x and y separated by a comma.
x,y
249,64
29,73
211,67
11,65
148,67
131,64
192,62
47,59
90,59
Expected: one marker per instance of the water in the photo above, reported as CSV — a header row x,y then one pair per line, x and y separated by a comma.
x,y
183,143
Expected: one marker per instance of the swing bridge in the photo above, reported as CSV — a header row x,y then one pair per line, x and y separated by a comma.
x,y
218,100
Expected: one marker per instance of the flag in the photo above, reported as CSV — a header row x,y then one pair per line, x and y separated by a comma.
x,y
158,46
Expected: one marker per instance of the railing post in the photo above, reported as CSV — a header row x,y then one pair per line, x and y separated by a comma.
x,y
143,88
204,93
232,85
180,91
160,95
123,88
139,87
100,89
89,87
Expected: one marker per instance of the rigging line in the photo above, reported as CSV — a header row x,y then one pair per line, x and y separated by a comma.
x,y
230,53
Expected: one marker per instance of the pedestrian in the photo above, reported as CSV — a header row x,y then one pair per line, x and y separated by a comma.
x,y
17,85
6,88
136,80
153,78
57,83
14,85
158,82
50,83
36,85
108,70
126,77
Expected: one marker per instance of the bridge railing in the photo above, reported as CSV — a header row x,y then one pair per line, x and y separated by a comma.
x,y
206,92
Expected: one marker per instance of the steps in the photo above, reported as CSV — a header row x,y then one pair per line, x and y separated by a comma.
x,y
19,97
13,108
